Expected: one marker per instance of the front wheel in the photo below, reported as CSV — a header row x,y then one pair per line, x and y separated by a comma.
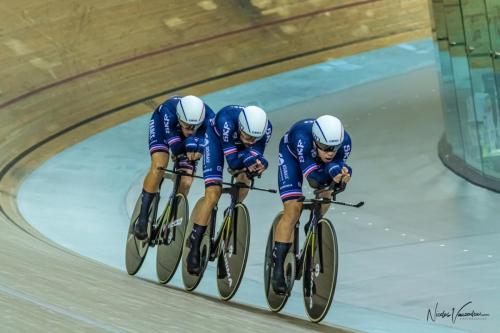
x,y
275,301
191,281
320,271
233,252
171,237
136,250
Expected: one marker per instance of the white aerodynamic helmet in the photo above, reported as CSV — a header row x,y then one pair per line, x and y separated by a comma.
x,y
253,121
191,110
328,133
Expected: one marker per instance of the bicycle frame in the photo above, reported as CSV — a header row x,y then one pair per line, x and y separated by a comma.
x,y
158,238
313,233
215,241
314,205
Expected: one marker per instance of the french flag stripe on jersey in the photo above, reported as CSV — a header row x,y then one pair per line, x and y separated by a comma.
x,y
291,194
310,169
254,152
173,140
213,180
158,147
230,150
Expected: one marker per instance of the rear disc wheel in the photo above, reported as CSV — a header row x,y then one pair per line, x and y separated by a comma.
x,y
136,250
171,239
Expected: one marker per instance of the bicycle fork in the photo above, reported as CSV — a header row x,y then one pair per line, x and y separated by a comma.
x,y
166,232
223,248
312,244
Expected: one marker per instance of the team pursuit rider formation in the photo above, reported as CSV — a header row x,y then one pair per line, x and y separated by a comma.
x,y
186,130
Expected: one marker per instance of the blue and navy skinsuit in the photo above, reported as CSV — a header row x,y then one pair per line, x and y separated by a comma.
x,y
223,140
165,133
298,159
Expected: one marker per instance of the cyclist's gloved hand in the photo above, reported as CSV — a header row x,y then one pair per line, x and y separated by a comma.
x,y
249,161
183,163
202,142
193,148
347,169
252,174
191,143
248,158
263,161
178,157
340,172
334,169
346,174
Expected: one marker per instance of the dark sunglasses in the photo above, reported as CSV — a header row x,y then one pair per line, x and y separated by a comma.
x,y
326,148
188,126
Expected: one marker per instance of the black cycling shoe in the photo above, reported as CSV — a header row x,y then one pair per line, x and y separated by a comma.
x,y
141,229
193,258
193,261
278,281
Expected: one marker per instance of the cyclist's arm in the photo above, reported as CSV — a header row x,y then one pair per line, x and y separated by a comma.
x,y
339,161
260,146
234,158
173,135
195,142
312,171
256,152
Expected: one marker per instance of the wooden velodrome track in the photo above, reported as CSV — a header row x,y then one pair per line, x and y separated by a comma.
x,y
71,69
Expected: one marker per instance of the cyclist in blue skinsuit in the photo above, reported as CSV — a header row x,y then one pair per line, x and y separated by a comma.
x,y
178,125
241,135
316,149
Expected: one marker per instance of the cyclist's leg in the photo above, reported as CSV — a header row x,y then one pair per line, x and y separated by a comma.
x,y
213,163
290,187
159,159
289,181
186,181
325,207
212,196
158,149
242,177
286,225
185,184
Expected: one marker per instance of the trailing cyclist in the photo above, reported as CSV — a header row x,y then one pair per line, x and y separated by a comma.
x,y
177,126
